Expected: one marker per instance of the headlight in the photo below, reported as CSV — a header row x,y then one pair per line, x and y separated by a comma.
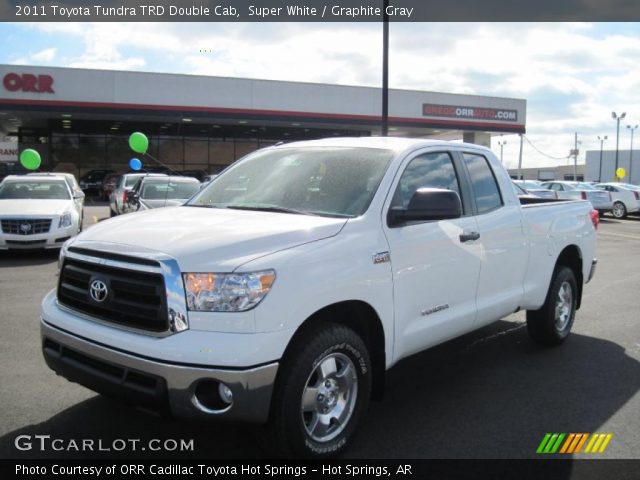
x,y
65,220
227,292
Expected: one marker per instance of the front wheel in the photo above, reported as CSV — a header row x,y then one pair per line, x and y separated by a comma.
x,y
322,392
551,324
619,210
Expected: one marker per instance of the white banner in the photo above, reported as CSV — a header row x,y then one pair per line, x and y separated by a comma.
x,y
8,152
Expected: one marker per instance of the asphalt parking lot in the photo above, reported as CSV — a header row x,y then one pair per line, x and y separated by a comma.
x,y
489,394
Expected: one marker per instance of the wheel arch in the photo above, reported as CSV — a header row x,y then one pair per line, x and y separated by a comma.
x,y
365,321
571,257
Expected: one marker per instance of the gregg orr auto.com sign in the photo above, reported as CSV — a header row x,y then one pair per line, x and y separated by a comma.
x,y
474,113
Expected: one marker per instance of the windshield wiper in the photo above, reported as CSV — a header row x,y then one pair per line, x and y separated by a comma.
x,y
269,208
200,206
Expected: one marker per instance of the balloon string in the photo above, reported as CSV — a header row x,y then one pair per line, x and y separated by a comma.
x,y
159,162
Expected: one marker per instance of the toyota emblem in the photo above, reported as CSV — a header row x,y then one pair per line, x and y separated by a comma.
x,y
98,291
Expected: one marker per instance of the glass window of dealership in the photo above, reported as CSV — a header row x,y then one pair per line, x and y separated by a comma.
x,y
87,151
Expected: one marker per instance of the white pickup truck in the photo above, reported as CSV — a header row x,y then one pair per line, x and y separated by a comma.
x,y
284,290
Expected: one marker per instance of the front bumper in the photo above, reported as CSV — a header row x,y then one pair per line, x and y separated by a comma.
x,y
154,383
52,239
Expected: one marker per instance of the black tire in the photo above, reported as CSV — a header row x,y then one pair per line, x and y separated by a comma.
x,y
327,344
551,324
619,210
111,212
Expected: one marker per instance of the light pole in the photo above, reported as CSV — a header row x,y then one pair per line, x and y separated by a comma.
x,y
631,129
617,118
602,139
502,143
385,70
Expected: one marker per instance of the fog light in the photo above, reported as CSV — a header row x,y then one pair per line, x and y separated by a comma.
x,y
212,396
225,394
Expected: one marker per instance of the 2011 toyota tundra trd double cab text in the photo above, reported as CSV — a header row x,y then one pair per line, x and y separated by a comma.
x,y
284,290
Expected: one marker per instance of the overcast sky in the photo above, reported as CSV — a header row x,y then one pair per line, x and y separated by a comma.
x,y
572,75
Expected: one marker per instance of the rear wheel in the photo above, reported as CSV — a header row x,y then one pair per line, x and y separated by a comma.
x,y
619,210
551,324
322,392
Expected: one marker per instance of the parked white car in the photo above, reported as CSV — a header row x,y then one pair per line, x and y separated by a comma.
x,y
38,212
568,190
625,200
535,187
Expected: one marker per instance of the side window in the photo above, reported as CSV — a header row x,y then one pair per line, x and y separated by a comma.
x,y
483,183
434,170
555,187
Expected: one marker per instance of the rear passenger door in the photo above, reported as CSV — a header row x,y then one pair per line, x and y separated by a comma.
x,y
504,245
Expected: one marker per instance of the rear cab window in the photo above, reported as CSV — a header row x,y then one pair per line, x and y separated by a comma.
x,y
483,183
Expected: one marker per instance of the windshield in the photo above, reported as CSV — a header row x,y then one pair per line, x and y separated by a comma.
x,y
130,180
585,186
331,181
44,190
155,190
531,185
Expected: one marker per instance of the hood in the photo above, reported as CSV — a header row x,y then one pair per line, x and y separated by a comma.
x,y
209,239
30,208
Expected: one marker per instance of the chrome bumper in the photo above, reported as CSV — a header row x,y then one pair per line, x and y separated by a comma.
x,y
154,383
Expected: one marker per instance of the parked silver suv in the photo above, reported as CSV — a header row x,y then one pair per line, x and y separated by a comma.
x,y
118,198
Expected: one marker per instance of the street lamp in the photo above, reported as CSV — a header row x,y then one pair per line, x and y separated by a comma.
x,y
617,118
502,143
631,129
602,139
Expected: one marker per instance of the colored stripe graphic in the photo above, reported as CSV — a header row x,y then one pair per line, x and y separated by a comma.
x,y
543,443
583,439
567,443
607,439
550,443
597,443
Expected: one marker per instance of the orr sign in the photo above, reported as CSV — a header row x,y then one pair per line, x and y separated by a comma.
x,y
27,82
475,113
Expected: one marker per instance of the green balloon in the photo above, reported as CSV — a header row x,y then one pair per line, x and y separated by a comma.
x,y
30,159
138,142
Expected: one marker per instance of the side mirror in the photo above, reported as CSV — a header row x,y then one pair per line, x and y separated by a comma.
x,y
79,194
425,205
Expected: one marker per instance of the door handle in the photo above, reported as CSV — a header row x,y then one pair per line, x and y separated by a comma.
x,y
467,237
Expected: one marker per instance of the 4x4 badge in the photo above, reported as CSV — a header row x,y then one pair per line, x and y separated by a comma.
x,y
381,257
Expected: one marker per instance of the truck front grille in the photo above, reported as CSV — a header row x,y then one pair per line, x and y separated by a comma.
x,y
131,298
27,226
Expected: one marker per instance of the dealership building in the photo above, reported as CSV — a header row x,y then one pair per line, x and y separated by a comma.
x,y
80,119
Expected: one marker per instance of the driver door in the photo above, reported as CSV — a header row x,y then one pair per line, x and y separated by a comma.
x,y
435,270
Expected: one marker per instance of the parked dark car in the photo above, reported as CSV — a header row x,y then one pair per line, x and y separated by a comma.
x,y
91,182
108,185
